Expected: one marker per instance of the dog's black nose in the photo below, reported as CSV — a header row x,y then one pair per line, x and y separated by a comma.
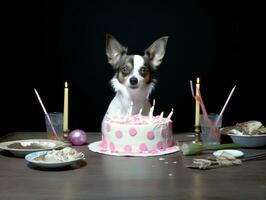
x,y
133,81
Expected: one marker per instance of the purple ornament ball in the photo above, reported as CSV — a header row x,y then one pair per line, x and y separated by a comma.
x,y
77,137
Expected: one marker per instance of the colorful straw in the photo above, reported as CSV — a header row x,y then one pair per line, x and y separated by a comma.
x,y
45,112
228,98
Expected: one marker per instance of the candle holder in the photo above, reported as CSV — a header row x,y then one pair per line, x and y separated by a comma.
x,y
197,134
66,135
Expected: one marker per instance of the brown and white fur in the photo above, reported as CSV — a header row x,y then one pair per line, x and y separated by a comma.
x,y
133,80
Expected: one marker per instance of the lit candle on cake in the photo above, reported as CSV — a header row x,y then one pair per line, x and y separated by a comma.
x,y
197,110
65,122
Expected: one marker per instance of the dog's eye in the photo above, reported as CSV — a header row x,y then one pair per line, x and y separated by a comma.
x,y
143,71
125,70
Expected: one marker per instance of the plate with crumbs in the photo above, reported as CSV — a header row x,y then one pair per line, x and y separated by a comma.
x,y
55,158
21,148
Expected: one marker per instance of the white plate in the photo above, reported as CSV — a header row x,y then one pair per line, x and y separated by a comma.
x,y
95,148
31,159
235,153
43,144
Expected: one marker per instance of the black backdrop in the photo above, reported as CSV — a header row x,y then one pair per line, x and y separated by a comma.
x,y
48,42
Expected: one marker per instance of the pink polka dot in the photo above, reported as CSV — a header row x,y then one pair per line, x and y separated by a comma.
x,y
108,127
163,132
153,151
132,131
100,145
112,146
169,142
103,145
159,145
128,148
150,135
143,147
119,134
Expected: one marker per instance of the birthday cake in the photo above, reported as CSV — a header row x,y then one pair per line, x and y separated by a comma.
x,y
137,134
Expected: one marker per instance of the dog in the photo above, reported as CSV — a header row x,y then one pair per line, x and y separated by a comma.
x,y
133,81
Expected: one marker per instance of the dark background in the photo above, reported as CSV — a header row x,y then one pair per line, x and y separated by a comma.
x,y
45,43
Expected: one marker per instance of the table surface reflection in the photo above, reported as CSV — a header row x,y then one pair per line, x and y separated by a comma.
x,y
109,177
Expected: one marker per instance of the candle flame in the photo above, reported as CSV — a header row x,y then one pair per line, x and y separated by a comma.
x,y
66,85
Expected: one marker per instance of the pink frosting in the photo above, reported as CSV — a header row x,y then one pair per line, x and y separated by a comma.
x,y
143,147
163,132
112,146
128,148
169,142
108,127
150,135
159,145
119,134
132,131
103,145
153,151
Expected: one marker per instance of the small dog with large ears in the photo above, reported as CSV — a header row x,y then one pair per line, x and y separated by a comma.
x,y
133,80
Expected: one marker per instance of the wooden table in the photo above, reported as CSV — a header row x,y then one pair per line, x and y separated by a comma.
x,y
109,177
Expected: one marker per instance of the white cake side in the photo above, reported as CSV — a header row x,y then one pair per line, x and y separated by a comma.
x,y
137,136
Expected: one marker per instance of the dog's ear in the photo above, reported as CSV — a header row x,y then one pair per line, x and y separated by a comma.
x,y
114,50
156,51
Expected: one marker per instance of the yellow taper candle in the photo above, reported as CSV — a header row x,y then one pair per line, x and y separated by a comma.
x,y
65,126
197,110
